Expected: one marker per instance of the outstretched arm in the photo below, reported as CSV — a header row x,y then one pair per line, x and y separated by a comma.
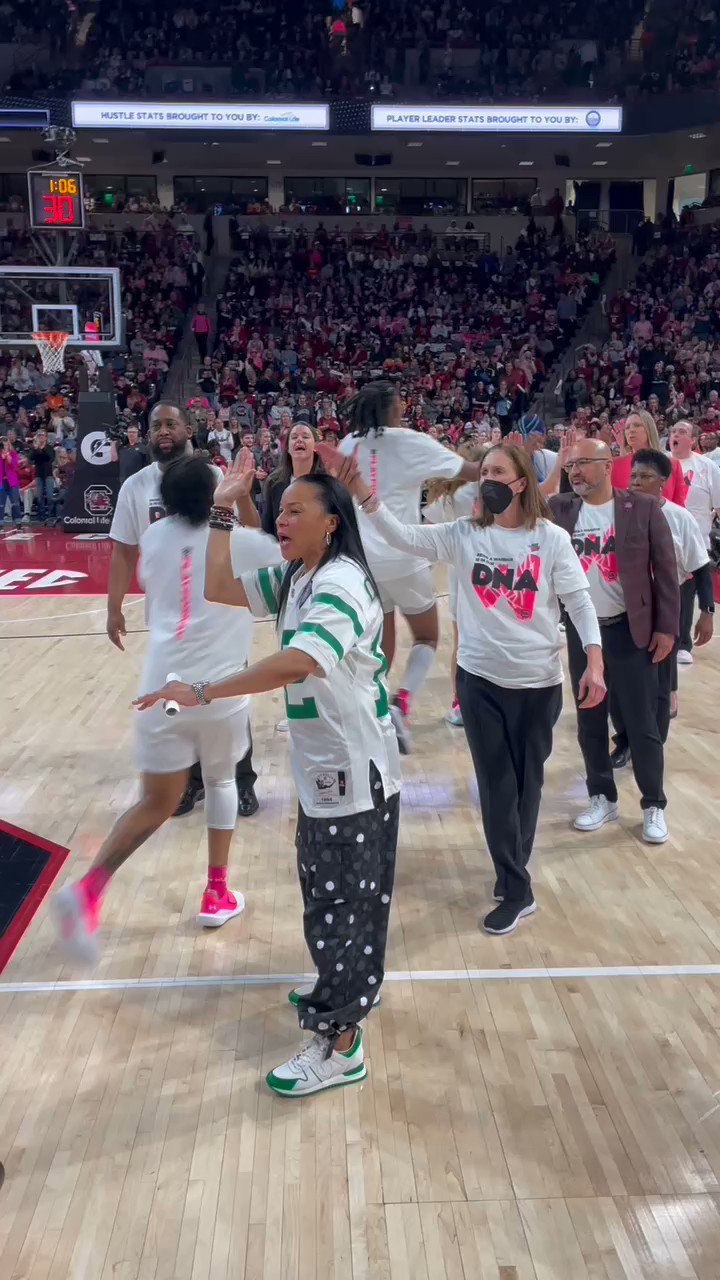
x,y
428,542
221,585
270,673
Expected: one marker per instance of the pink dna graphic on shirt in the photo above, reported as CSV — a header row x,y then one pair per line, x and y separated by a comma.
x,y
519,586
591,551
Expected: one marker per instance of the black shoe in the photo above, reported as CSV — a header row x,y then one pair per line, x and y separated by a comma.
x,y
619,757
190,797
505,917
247,803
498,895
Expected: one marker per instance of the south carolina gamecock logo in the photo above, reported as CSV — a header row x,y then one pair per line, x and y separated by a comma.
x,y
98,500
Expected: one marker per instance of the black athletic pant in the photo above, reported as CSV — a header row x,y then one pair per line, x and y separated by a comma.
x,y
687,608
667,684
245,775
509,732
632,679
346,868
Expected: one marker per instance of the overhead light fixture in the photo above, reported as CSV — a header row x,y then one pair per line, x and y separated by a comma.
x,y
603,144
526,164
597,163
696,136
414,144
84,159
101,141
274,161
318,144
214,144
4,139
452,161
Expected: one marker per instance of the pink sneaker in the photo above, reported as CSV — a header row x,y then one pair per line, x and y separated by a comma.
x,y
215,911
76,919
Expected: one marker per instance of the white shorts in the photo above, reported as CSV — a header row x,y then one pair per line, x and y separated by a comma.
x,y
167,744
412,593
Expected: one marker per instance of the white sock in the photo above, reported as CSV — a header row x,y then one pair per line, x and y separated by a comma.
x,y
420,660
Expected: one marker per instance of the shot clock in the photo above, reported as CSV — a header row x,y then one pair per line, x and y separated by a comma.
x,y
55,199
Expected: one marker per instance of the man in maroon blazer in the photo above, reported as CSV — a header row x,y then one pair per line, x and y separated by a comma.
x,y
626,549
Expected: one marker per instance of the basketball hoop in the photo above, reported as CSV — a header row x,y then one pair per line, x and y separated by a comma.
x,y
51,345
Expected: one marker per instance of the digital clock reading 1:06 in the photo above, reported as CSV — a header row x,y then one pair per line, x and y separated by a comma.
x,y
56,200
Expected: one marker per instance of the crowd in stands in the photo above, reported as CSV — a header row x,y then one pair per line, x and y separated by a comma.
x,y
38,411
663,350
316,48
468,338
680,45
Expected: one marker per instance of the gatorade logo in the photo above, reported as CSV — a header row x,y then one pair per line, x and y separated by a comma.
x,y
95,448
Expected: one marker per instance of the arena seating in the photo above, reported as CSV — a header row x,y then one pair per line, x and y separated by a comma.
x,y
664,345
467,337
312,48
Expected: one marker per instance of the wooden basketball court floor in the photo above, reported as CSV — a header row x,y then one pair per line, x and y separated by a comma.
x,y
540,1107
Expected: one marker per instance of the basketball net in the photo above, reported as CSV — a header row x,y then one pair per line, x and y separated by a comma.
x,y
51,346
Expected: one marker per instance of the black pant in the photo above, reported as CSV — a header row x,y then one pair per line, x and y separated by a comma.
x,y
509,732
632,679
687,608
202,344
245,775
347,885
667,684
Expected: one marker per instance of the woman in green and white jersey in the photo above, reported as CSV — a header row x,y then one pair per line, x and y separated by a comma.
x,y
344,753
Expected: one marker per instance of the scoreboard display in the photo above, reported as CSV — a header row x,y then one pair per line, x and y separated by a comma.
x,y
55,200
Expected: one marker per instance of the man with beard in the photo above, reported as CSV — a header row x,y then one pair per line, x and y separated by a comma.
x,y
139,505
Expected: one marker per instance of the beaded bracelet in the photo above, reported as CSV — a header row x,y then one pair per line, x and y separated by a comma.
x,y
222,518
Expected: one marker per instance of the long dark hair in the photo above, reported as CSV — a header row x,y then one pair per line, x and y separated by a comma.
x,y
187,488
345,541
283,473
369,409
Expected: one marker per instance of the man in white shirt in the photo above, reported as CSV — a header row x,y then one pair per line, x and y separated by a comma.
x,y
702,480
139,505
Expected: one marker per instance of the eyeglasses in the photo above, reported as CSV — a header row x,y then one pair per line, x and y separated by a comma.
x,y
582,462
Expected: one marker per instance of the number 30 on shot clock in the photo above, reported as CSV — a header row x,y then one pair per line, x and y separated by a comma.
x,y
55,198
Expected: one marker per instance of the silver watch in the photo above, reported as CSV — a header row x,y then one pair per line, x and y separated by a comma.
x,y
199,690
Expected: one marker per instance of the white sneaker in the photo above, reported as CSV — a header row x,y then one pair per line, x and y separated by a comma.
x,y
684,658
600,812
318,1066
282,726
654,826
400,725
454,716
301,993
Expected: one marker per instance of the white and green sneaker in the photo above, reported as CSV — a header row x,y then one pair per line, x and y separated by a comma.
x,y
319,1067
301,993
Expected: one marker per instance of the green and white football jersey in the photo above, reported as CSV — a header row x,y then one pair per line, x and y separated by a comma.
x,y
339,722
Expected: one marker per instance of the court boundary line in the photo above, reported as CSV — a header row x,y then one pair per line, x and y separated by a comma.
x,y
541,973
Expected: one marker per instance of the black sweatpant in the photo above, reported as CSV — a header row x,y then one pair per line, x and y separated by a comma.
x,y
632,680
509,732
346,868
687,608
245,775
667,684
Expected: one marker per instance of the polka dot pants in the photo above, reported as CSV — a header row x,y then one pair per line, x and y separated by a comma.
x,y
346,867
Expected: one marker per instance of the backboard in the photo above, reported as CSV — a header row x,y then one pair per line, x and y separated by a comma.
x,y
83,302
